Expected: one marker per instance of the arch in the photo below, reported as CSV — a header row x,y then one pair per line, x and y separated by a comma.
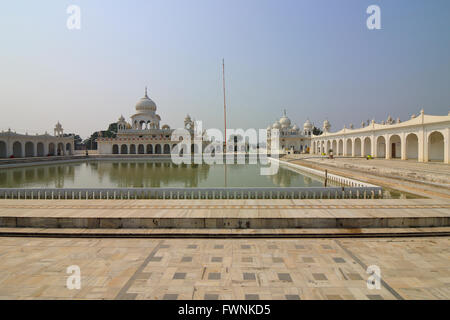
x,y
51,149
436,146
395,146
40,149
367,146
68,148
348,151
334,147
124,149
3,150
412,146
158,149
166,149
357,147
149,149
29,149
133,149
327,150
17,149
60,150
381,147
115,149
141,149
341,147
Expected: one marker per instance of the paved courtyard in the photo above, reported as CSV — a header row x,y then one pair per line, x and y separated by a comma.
x,y
431,179
411,268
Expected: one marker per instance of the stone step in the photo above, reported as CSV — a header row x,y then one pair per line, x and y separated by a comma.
x,y
226,233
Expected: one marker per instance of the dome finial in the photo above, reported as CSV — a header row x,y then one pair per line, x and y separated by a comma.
x,y
146,92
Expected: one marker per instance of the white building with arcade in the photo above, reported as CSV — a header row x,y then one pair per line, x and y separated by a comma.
x,y
15,145
423,138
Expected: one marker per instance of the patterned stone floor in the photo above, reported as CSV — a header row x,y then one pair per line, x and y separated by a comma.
x,y
411,268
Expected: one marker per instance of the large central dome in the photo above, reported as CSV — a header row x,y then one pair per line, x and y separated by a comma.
x,y
146,104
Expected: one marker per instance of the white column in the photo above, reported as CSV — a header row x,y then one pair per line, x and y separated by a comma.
x,y
447,145
388,147
403,146
9,150
353,147
373,152
421,145
363,146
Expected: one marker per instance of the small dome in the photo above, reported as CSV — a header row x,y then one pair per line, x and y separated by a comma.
x,y
307,125
276,125
165,127
145,104
285,121
295,127
326,125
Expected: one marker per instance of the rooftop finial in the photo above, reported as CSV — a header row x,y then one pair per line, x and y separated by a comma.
x,y
146,92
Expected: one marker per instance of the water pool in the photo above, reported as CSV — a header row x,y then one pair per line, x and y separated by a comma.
x,y
137,173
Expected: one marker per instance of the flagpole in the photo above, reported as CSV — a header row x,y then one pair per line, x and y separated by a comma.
x,y
224,119
224,104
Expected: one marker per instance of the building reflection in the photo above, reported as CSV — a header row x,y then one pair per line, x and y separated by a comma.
x,y
39,176
150,174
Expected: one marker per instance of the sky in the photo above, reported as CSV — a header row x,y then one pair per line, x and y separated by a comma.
x,y
315,58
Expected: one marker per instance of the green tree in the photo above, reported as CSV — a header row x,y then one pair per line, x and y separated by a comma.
x,y
316,131
90,142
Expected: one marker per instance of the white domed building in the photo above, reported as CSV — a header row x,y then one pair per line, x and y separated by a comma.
x,y
144,134
292,138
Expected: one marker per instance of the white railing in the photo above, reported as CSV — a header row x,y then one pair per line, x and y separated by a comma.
x,y
194,193
331,177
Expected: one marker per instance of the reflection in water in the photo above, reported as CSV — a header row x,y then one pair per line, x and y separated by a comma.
x,y
147,173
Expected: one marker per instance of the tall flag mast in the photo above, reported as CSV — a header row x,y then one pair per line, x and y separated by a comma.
x,y
224,104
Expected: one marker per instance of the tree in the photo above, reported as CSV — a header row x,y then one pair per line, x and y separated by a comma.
x,y
316,131
90,142
77,140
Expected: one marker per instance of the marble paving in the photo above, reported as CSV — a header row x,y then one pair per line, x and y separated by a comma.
x,y
411,268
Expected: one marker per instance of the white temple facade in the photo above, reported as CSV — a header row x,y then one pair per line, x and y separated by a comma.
x,y
422,137
15,145
292,139
144,134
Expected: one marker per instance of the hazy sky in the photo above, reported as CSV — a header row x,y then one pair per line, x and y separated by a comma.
x,y
315,58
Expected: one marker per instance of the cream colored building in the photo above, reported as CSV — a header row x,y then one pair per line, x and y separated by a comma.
x,y
17,145
423,137
292,138
144,134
